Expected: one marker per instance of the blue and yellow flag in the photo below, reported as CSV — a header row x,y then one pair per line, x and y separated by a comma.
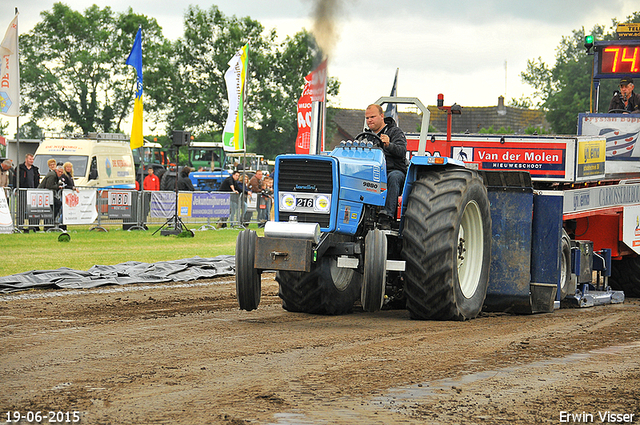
x,y
135,60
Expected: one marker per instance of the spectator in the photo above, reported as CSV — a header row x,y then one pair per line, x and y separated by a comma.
x,y
229,185
151,182
51,163
28,177
267,197
53,181
67,177
7,174
255,186
184,182
245,190
168,180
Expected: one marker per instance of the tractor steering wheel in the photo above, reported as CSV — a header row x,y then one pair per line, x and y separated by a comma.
x,y
367,135
618,111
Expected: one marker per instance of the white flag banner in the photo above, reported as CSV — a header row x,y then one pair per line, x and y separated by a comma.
x,y
235,77
79,207
6,223
10,72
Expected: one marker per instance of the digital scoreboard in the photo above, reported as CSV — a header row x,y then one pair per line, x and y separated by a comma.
x,y
622,60
617,59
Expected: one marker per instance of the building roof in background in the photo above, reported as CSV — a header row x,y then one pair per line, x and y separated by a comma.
x,y
350,122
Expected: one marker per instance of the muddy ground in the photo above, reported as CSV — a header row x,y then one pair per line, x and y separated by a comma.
x,y
185,354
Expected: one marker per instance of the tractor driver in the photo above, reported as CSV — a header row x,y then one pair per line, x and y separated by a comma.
x,y
394,145
625,101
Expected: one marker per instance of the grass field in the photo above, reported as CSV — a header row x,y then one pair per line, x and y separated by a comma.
x,y
42,251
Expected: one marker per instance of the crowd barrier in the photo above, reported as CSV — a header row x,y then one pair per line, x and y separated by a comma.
x,y
46,210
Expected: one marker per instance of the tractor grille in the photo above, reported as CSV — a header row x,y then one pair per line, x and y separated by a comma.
x,y
322,219
294,175
305,176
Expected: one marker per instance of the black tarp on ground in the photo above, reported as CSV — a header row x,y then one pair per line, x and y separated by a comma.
x,y
121,274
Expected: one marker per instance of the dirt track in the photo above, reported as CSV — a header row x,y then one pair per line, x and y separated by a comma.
x,y
185,354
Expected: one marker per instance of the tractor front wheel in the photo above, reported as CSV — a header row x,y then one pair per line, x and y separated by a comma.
x,y
326,289
375,270
248,286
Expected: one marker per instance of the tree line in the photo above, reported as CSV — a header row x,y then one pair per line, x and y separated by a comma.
x,y
73,71
564,89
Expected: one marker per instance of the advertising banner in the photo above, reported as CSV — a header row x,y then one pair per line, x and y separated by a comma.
x,y
599,197
79,207
184,204
40,204
631,228
163,204
6,223
211,205
119,204
236,77
620,130
591,158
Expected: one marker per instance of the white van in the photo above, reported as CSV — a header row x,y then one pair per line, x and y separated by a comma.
x,y
98,161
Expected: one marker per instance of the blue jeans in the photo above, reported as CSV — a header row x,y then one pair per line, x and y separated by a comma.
x,y
234,201
395,183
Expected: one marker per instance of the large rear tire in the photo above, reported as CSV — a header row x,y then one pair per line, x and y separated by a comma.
x,y
565,267
248,286
625,276
375,270
327,289
447,245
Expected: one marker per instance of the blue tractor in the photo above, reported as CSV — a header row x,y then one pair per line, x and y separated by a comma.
x,y
329,251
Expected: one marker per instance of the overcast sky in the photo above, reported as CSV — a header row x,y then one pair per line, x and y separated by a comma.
x,y
471,50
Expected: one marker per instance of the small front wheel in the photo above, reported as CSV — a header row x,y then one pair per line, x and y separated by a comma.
x,y
248,286
375,270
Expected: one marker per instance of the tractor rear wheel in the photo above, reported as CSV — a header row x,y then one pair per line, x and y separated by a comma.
x,y
565,267
248,286
625,276
447,245
327,289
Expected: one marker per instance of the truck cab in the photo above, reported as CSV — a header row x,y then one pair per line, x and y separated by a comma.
x,y
99,160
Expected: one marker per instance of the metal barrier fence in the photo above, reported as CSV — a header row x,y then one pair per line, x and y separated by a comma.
x,y
38,209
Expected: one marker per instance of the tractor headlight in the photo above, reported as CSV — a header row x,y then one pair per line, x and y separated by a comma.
x,y
287,202
322,203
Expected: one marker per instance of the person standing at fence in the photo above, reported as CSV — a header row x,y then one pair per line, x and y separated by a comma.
x,y
267,200
245,190
6,174
67,177
51,163
230,185
184,182
151,183
255,186
28,178
53,181
268,190
168,180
